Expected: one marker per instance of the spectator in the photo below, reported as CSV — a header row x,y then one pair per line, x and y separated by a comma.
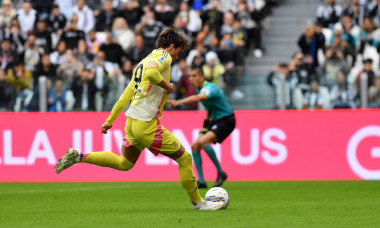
x,y
350,31
86,20
329,13
184,14
374,94
342,94
164,12
309,43
191,18
17,40
213,70
93,43
113,88
213,16
19,77
334,63
106,17
7,12
131,11
43,7
8,93
366,35
374,11
113,51
84,91
239,38
150,29
353,10
44,68
313,99
139,51
56,21
179,26
124,36
185,89
253,28
127,70
197,55
274,80
229,5
82,54
337,42
56,56
304,70
66,7
72,34
98,70
7,56
207,38
69,67
229,56
228,23
32,53
368,70
43,37
60,99
26,17
177,70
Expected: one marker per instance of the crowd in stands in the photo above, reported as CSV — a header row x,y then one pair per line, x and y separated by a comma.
x,y
87,50
336,52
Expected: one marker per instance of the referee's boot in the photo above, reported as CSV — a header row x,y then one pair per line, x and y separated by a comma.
x,y
201,184
220,180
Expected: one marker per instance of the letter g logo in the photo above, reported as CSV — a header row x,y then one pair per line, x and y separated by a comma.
x,y
352,157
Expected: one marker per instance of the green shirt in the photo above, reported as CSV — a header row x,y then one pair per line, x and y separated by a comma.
x,y
216,103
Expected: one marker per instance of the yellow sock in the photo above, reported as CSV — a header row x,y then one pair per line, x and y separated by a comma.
x,y
108,159
187,178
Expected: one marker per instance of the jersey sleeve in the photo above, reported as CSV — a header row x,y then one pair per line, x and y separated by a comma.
x,y
208,91
120,104
162,60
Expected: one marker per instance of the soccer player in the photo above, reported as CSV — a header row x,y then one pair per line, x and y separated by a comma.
x,y
148,92
216,129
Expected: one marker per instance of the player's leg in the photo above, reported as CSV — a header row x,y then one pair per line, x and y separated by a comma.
x,y
130,151
125,162
109,159
200,142
212,155
186,176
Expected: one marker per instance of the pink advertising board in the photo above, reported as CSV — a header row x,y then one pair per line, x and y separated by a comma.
x,y
266,145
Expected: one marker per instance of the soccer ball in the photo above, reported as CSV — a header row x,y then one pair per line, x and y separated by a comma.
x,y
218,194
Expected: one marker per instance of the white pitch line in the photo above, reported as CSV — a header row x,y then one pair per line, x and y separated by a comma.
x,y
63,190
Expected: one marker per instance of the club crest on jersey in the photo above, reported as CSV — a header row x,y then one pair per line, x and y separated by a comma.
x,y
161,60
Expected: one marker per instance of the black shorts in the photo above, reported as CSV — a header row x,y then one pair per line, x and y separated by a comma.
x,y
222,128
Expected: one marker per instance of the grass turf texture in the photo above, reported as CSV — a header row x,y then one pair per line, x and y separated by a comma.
x,y
165,204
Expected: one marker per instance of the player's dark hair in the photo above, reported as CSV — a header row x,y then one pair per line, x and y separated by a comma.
x,y
198,68
171,36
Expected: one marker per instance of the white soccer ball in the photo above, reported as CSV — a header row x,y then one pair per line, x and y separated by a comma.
x,y
218,194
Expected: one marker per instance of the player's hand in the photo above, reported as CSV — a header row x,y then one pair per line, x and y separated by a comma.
x,y
206,122
104,128
170,88
174,103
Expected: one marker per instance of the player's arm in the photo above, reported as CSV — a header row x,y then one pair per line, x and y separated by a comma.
x,y
155,77
188,100
119,106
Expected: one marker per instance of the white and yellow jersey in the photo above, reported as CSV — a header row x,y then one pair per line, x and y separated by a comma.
x,y
149,99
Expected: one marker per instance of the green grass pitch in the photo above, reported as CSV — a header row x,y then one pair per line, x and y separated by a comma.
x,y
165,204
